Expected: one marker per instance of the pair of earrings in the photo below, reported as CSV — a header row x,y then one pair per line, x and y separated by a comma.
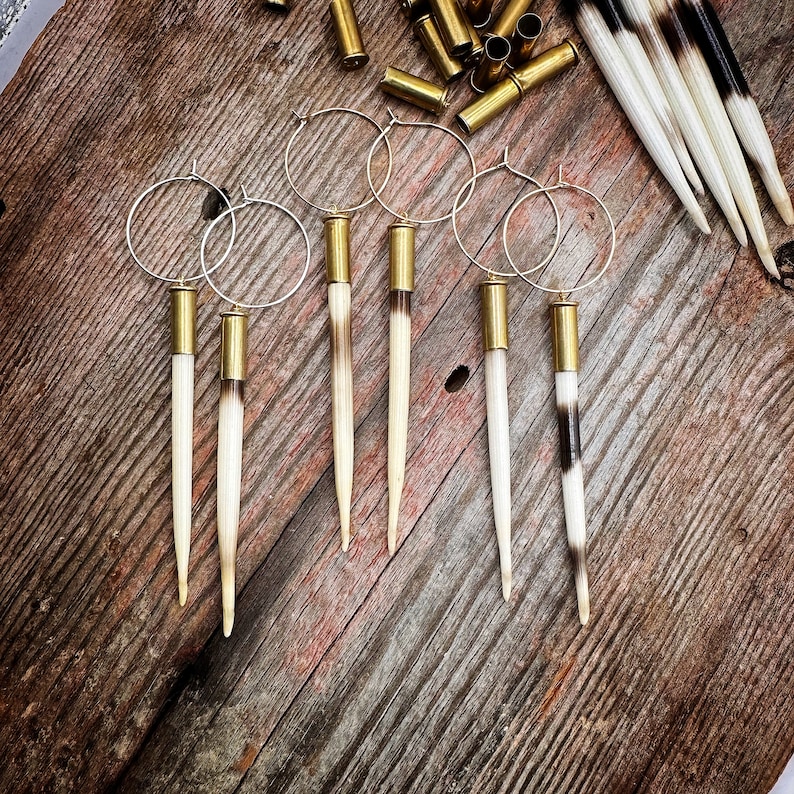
x,y
336,225
233,372
565,356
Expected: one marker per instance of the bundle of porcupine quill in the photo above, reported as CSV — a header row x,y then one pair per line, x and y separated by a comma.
x,y
673,71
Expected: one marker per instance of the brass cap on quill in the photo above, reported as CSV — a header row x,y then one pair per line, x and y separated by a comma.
x,y
564,335
337,247
493,299
183,319
234,344
402,236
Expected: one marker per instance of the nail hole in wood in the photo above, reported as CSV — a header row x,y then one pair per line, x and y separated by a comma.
x,y
2,208
785,264
214,204
457,379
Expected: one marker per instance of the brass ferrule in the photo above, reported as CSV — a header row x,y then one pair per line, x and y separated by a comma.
x,y
529,75
564,336
415,90
493,299
492,65
489,105
525,37
336,230
413,9
506,21
452,24
279,6
348,38
448,67
479,11
402,236
548,64
183,319
474,55
234,344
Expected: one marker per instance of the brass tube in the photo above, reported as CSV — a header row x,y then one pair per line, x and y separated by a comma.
x,y
413,9
474,55
348,38
529,75
448,67
564,335
402,239
506,21
415,90
525,37
450,19
492,65
234,344
493,298
183,319
336,230
479,12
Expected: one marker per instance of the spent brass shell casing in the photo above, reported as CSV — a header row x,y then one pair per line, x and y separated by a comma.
x,y
402,236
448,67
415,90
234,344
183,319
505,23
525,37
474,55
452,24
531,74
336,230
413,9
348,37
279,6
479,12
493,63
564,335
493,298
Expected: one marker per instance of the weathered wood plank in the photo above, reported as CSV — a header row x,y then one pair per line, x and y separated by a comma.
x,y
361,673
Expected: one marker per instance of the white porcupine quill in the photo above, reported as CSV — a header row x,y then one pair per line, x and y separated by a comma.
x,y
182,367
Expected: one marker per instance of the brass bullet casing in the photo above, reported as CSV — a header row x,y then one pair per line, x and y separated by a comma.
x,y
402,246
336,230
493,299
474,55
564,335
415,90
493,63
529,75
506,21
279,6
183,319
479,12
448,67
413,9
348,38
525,37
452,24
234,344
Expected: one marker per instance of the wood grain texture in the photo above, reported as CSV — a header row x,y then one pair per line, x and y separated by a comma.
x,y
357,672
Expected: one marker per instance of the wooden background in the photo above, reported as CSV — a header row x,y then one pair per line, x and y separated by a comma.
x,y
358,672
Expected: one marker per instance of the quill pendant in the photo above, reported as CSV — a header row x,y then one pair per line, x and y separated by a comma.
x,y
234,332
565,351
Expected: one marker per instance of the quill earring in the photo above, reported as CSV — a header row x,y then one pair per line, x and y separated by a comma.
x,y
183,350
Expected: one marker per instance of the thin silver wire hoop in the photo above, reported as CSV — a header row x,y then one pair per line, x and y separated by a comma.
x,y
304,120
457,206
560,185
192,177
248,201
395,122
